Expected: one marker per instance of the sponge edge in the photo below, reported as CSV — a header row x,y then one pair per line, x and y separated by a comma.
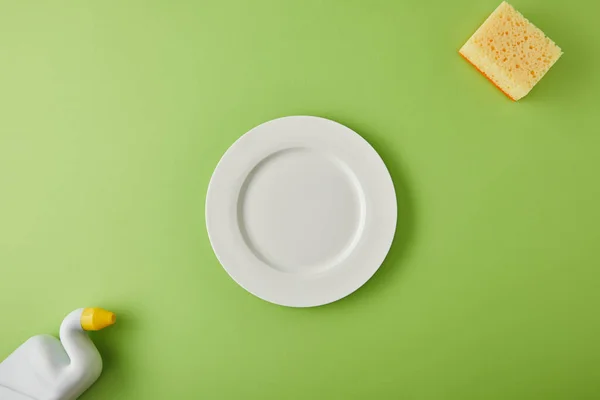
x,y
511,52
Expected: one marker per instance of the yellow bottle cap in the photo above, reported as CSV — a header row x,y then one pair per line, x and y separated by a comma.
x,y
94,319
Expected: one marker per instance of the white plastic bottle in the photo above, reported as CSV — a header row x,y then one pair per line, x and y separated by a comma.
x,y
45,368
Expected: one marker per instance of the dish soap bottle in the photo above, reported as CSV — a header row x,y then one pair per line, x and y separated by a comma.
x,y
45,368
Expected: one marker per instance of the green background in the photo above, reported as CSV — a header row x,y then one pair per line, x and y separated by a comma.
x,y
113,115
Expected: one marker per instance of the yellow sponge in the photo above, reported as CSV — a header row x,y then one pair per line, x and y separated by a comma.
x,y
511,52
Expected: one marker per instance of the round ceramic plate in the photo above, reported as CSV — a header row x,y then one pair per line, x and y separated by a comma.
x,y
301,211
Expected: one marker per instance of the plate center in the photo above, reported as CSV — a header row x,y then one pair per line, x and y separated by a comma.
x,y
301,211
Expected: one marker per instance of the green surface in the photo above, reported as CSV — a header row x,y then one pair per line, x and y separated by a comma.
x,y
114,114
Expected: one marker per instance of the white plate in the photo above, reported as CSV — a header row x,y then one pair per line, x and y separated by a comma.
x,y
301,211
